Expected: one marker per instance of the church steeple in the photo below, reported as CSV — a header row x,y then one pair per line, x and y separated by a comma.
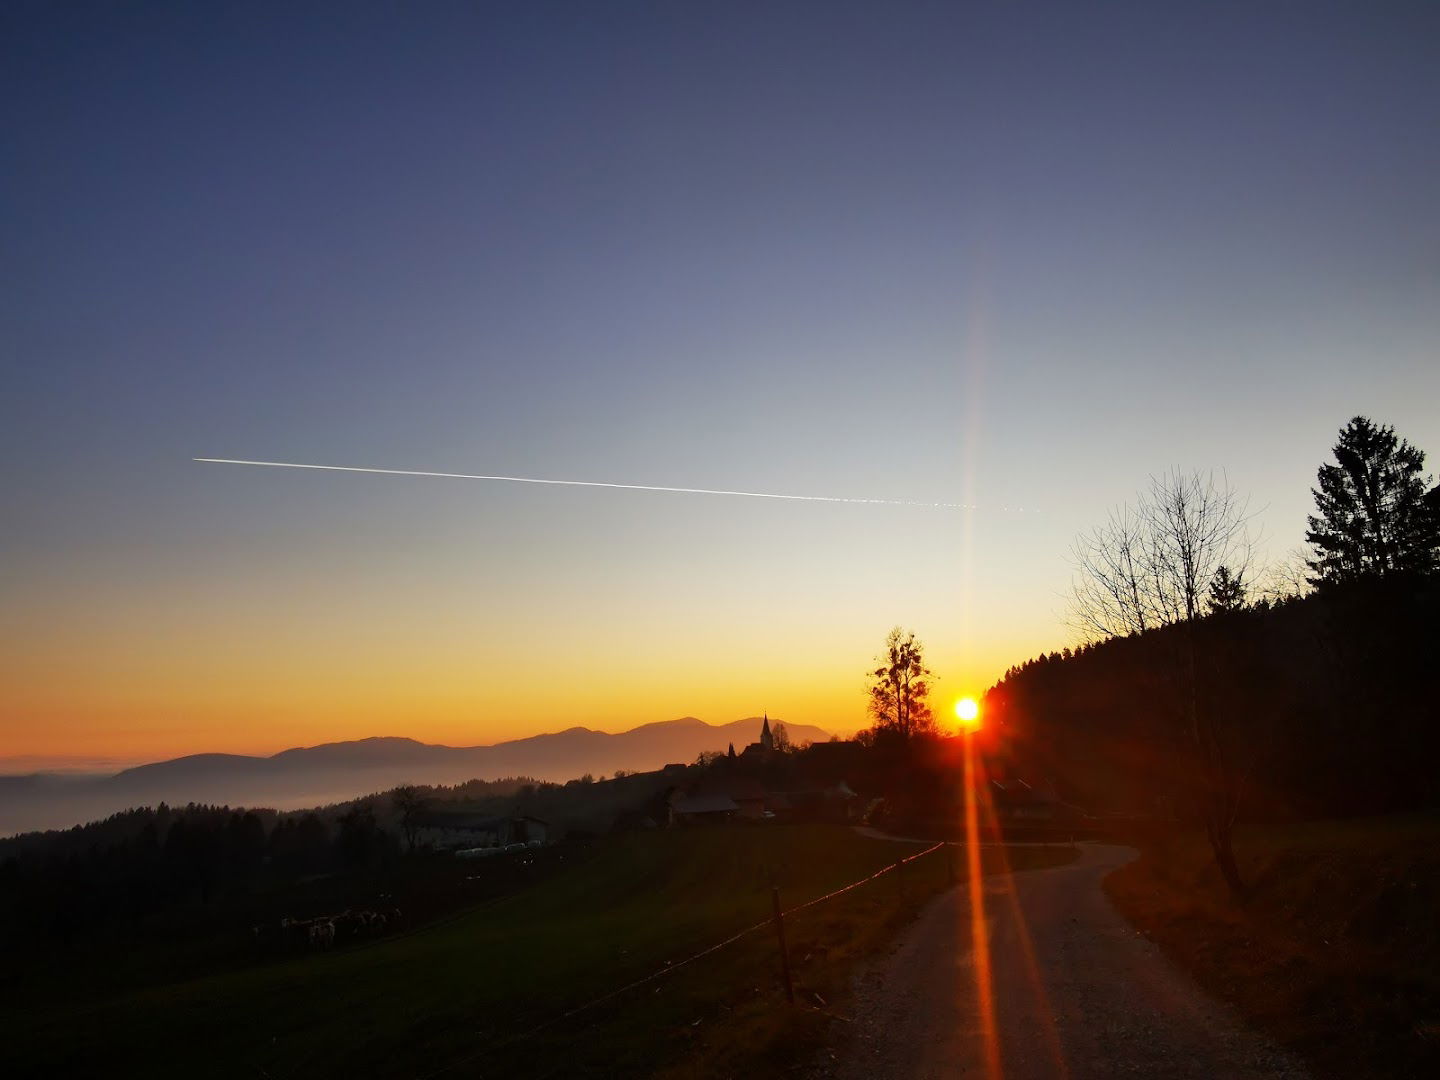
x,y
767,740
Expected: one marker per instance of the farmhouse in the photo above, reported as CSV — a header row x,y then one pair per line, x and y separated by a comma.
x,y
756,785
834,803
700,808
740,798
1015,800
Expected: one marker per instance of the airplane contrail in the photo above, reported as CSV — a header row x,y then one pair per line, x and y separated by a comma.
x,y
599,484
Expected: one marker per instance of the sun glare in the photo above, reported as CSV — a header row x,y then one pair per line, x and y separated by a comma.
x,y
968,713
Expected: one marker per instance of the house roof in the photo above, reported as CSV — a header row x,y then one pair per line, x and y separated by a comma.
x,y
743,789
457,819
705,804
739,788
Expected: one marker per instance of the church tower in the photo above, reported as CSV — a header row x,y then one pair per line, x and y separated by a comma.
x,y
767,740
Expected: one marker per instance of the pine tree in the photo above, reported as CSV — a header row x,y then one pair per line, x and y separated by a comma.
x,y
1227,592
1377,514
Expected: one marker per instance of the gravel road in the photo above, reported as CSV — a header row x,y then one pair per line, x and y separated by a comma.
x,y
1108,1003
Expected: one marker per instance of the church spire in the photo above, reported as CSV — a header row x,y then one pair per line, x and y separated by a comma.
x,y
767,740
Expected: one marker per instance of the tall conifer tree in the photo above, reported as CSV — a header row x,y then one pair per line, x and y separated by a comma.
x,y
1376,510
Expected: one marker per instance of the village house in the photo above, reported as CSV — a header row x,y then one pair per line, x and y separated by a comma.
x,y
1020,802
700,808
837,802
732,792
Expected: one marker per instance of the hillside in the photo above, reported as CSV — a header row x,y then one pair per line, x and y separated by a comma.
x,y
1337,952
1324,703
332,772
457,998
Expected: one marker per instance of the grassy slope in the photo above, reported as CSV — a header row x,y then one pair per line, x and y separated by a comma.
x,y
454,996
1337,954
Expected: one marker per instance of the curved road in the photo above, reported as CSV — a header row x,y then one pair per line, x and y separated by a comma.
x,y
1098,1000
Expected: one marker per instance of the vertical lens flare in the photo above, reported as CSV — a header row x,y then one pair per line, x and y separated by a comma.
x,y
1048,1027
979,926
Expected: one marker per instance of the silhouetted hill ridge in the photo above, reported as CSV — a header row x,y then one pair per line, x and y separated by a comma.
x,y
337,771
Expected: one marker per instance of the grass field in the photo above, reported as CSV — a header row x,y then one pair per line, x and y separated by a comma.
x,y
1337,953
456,999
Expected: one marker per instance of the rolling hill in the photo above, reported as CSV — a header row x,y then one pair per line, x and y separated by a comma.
x,y
313,775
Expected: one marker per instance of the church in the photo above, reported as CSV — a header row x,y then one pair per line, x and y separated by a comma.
x,y
766,745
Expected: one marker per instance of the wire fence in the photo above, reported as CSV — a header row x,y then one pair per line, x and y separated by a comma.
x,y
773,922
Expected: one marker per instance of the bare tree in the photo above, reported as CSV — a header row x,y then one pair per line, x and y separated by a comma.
x,y
409,804
1153,566
781,737
1112,591
1287,579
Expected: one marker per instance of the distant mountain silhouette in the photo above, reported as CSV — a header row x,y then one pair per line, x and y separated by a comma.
x,y
331,772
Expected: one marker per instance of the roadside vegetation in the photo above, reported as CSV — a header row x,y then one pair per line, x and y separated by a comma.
x,y
1215,691
1337,952
459,997
1233,713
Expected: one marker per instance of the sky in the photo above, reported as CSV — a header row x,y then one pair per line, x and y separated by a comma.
x,y
1010,255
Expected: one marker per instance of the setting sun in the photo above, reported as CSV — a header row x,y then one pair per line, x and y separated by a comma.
x,y
968,712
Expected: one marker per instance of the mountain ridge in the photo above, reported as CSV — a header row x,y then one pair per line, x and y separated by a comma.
x,y
335,771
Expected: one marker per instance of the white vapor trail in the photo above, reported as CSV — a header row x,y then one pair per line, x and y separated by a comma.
x,y
598,484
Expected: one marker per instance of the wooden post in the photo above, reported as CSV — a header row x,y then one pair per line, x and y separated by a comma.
x,y
900,877
784,954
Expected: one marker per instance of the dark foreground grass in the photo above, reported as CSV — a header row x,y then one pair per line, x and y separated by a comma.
x,y
1337,952
461,998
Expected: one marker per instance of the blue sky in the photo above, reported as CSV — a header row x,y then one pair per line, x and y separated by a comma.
x,y
1008,254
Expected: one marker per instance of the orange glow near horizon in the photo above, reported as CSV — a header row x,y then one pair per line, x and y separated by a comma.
x,y
152,696
253,653
82,725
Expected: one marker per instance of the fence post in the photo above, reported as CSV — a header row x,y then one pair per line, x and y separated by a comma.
x,y
900,877
784,954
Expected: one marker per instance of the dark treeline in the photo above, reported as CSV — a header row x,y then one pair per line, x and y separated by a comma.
x,y
1327,706
166,867
171,874
146,862
1192,700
